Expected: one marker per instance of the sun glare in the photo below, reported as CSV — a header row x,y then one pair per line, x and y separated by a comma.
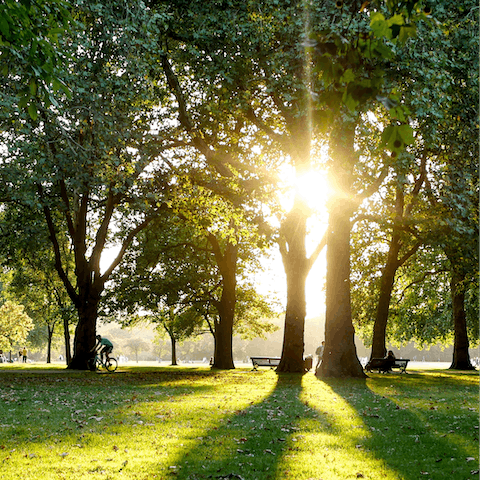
x,y
312,186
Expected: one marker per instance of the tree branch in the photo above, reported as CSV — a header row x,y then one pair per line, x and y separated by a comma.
x,y
313,257
56,250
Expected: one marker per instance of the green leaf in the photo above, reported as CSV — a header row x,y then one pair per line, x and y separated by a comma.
x,y
4,27
380,26
23,101
348,76
389,136
406,133
33,87
32,111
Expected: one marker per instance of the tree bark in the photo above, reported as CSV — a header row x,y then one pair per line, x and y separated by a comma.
x,y
50,331
340,354
174,350
66,334
296,269
227,262
379,348
461,357
85,334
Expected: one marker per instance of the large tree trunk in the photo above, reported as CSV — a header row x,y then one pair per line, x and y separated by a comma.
x,y
227,262
50,331
66,334
461,357
379,348
340,354
296,269
84,334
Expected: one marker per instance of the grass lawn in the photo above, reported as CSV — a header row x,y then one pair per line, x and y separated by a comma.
x,y
193,423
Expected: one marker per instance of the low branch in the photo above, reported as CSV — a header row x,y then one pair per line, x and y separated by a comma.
x,y
409,254
125,244
373,187
56,250
313,257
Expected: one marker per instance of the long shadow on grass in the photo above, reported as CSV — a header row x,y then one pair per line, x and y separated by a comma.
x,y
250,443
411,425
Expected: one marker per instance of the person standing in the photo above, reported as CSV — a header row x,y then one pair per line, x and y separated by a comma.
x,y
24,354
319,353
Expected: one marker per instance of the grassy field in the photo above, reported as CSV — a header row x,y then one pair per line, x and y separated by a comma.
x,y
193,423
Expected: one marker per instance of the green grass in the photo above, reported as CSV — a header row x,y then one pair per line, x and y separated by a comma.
x,y
193,423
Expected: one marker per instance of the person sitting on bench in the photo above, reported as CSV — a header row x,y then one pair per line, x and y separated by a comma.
x,y
390,357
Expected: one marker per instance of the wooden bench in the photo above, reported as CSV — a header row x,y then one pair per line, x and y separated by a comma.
x,y
383,366
265,362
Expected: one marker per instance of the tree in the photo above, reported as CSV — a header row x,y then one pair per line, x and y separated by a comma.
x,y
453,185
429,98
137,345
192,262
14,325
401,238
82,163
178,324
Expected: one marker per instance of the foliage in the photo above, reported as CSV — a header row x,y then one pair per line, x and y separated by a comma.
x,y
173,274
30,51
446,211
32,279
14,325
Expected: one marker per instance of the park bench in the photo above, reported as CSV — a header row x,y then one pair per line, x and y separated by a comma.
x,y
265,362
382,365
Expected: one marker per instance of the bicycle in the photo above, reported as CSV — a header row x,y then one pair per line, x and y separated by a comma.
x,y
110,364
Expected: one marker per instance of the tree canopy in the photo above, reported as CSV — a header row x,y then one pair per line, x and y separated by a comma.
x,y
162,129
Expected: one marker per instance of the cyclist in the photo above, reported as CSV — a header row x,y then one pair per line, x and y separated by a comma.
x,y
104,347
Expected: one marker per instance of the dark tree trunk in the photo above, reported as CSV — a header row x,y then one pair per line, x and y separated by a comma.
x,y
84,335
461,357
50,330
173,342
340,354
379,347
223,356
66,334
296,268
227,262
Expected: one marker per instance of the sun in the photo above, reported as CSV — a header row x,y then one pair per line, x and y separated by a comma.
x,y
312,186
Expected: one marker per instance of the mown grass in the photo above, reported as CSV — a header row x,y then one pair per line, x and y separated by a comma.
x,y
193,423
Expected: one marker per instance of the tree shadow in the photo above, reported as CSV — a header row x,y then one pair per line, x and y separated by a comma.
x,y
409,426
253,440
287,421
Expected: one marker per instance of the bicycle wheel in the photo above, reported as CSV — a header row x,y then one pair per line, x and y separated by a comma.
x,y
111,364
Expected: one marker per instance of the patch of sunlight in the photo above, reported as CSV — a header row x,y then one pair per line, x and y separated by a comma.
x,y
334,438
